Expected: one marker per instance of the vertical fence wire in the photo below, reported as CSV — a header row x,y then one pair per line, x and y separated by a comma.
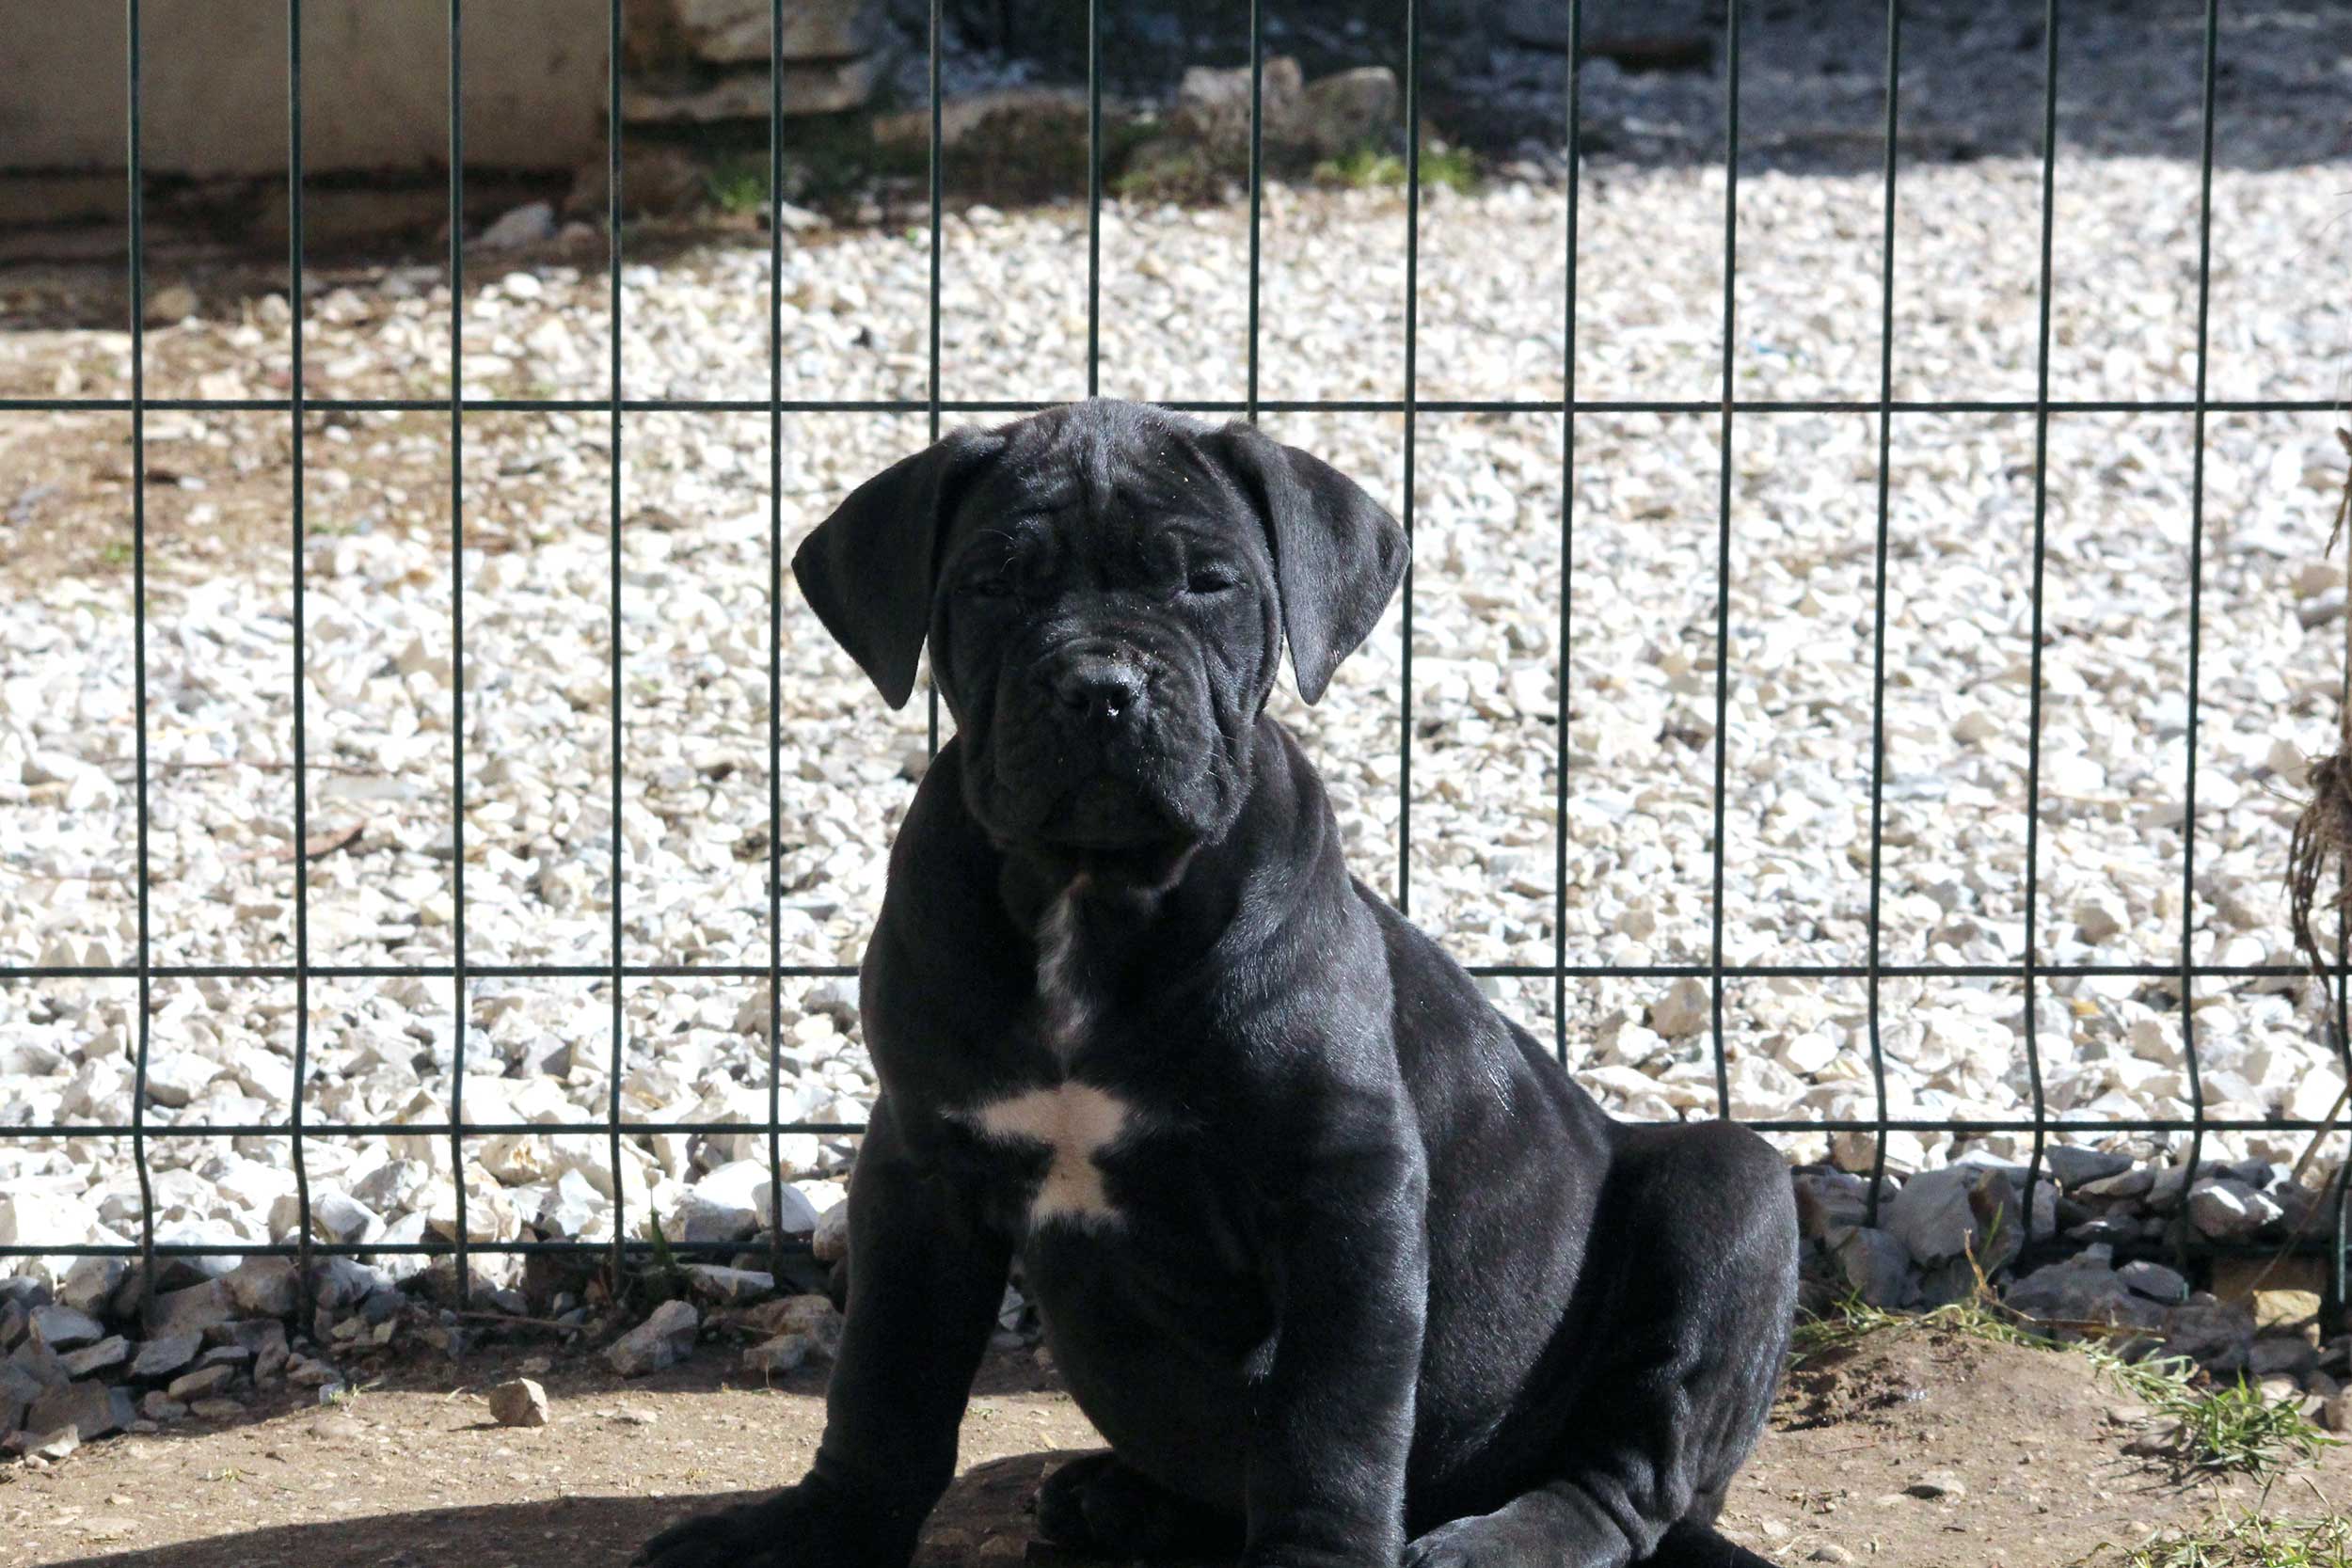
x,y
1257,186
1094,198
132,116
1560,710
1878,613
620,1027
2339,1249
1723,542
2031,962
460,993
1412,393
2197,596
775,639
932,395
299,546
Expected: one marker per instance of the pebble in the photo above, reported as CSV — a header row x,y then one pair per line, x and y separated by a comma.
x,y
519,1403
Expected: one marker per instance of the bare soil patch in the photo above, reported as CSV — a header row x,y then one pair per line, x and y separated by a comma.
x,y
2026,1447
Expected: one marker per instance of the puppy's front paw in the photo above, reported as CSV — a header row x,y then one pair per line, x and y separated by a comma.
x,y
1487,1541
790,1529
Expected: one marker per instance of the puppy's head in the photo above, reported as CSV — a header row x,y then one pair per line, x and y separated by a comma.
x,y
1106,589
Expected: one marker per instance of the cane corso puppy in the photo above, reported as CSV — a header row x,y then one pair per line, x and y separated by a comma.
x,y
1340,1262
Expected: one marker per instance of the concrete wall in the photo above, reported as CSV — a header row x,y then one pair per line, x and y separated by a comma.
x,y
375,85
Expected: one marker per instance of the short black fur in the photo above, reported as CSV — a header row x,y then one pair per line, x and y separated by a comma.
x,y
1344,1266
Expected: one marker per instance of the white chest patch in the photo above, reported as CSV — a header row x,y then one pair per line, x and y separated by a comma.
x,y
1074,1123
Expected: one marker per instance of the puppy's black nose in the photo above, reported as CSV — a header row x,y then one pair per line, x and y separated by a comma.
x,y
1100,690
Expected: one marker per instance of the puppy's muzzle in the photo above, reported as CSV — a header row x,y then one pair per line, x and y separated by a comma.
x,y
1099,691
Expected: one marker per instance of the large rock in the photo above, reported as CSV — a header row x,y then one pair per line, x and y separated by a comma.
x,y
106,1356
263,1287
2229,1210
91,1409
1876,1265
1339,113
2219,1336
1058,112
36,1218
2075,1166
728,1286
1960,1211
780,1354
2082,1291
829,1242
662,1340
808,88
727,1205
90,1283
166,1356
61,1328
736,32
192,1310
1332,115
2155,1281
203,1382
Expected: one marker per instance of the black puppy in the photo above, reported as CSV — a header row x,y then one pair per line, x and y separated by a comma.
x,y
1340,1260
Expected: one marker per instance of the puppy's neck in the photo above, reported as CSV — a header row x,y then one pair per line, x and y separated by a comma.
x,y
1101,940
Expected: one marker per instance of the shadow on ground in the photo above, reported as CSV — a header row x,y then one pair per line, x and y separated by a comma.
x,y
988,1501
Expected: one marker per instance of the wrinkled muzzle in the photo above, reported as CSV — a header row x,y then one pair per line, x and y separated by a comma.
x,y
1100,744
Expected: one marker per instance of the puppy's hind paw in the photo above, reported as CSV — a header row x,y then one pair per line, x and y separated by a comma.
x,y
774,1533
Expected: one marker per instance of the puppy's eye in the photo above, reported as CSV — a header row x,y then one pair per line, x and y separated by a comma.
x,y
996,586
1209,579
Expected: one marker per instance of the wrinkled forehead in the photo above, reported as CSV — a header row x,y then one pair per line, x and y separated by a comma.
x,y
1092,475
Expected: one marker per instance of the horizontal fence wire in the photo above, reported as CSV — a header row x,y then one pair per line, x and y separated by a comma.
x,y
1497,406
463,970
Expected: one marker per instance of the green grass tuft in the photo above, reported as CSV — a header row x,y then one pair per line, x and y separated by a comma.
x,y
2250,1538
1854,1320
2220,1427
738,184
1371,168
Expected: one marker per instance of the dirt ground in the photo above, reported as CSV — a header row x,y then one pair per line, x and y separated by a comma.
x,y
2028,1448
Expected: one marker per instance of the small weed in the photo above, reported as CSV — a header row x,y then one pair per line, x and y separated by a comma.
x,y
1370,169
666,1281
343,1396
2220,1427
2250,1538
1854,1320
737,184
114,553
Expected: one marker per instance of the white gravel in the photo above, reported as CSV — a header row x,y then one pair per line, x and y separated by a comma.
x,y
696,576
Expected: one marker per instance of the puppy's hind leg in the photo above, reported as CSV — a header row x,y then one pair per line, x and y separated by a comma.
x,y
1682,1367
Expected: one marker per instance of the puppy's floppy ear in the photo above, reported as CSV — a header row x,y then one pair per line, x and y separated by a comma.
x,y
1338,555
868,569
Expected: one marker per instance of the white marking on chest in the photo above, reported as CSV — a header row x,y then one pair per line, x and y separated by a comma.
x,y
1075,1123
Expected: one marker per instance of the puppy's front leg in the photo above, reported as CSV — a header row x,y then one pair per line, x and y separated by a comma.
x,y
926,1278
1332,1415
